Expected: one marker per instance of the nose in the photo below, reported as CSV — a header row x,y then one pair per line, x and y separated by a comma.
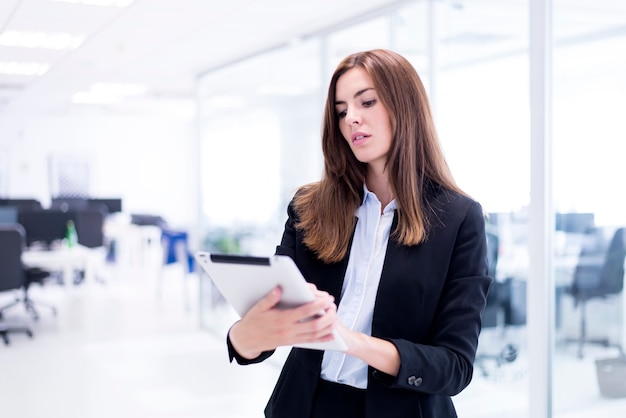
x,y
352,117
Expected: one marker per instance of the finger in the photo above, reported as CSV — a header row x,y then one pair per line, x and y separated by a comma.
x,y
322,318
317,328
317,292
312,309
332,308
320,293
269,301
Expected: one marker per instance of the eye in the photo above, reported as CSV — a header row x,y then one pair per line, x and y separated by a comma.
x,y
341,114
369,103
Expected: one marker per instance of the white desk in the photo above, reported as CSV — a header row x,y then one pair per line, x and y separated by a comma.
x,y
66,260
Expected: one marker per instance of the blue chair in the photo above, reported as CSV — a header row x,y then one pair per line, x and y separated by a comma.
x,y
175,244
176,248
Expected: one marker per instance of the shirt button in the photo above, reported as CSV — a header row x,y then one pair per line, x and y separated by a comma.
x,y
411,380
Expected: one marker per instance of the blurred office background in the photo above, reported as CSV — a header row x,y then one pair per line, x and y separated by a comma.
x,y
201,119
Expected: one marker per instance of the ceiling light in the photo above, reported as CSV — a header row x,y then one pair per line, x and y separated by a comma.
x,y
225,102
105,3
108,93
119,89
31,39
23,68
88,97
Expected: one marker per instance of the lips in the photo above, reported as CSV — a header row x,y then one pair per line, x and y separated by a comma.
x,y
359,137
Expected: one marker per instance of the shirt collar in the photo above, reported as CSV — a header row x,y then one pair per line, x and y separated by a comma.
x,y
370,198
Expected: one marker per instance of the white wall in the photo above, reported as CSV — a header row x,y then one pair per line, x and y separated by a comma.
x,y
149,158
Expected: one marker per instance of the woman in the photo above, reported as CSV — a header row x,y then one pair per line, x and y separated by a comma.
x,y
390,237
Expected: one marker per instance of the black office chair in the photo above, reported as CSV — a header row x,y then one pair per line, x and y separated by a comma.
x,y
90,231
90,227
599,274
494,312
11,247
11,271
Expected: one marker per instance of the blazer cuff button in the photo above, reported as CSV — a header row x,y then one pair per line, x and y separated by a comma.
x,y
414,381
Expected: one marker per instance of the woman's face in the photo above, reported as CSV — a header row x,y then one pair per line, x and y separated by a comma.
x,y
363,120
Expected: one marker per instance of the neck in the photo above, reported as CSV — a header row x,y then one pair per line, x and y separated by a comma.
x,y
378,183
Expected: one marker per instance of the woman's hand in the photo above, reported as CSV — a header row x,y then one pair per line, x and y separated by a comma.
x,y
378,353
266,327
353,339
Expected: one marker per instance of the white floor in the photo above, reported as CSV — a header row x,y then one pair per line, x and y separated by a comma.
x,y
123,349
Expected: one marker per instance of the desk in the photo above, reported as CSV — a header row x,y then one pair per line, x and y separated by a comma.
x,y
66,260
135,245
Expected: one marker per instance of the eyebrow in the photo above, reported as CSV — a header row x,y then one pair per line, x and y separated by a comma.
x,y
357,94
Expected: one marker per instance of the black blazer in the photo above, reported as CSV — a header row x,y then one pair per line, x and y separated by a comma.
x,y
429,305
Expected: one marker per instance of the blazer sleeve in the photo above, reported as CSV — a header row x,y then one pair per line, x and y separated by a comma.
x,y
234,355
443,364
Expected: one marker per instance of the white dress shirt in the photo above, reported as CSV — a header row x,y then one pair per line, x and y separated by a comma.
x,y
360,286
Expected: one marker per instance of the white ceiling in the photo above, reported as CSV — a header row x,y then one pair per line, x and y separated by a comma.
x,y
163,44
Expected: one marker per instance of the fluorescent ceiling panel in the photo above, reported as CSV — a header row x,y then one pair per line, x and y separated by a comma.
x,y
105,3
44,40
23,68
108,93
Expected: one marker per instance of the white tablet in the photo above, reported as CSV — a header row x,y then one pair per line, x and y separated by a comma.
x,y
244,280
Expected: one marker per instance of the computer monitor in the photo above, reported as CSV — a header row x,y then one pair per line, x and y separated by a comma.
x,y
45,226
69,203
112,204
22,204
8,214
574,223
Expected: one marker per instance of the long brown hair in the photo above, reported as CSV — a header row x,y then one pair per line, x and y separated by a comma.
x,y
415,160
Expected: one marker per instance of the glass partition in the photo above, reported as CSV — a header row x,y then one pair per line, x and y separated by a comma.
x,y
588,131
482,112
259,122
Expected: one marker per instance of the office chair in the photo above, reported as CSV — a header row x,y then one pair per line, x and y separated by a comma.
x,y
599,274
11,271
175,245
90,227
494,310
10,253
90,231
